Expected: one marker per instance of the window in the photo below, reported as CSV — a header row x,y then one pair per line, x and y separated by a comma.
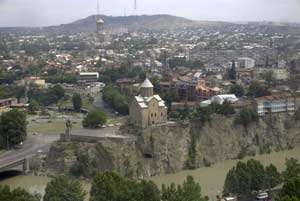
x,y
155,115
151,114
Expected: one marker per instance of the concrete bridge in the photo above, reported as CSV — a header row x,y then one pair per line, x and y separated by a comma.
x,y
19,165
19,159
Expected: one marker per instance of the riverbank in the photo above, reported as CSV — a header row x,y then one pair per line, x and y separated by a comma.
x,y
211,178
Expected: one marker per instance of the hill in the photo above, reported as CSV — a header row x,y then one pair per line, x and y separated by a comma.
x,y
153,22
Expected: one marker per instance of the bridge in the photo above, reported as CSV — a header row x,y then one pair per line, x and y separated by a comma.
x,y
19,159
20,165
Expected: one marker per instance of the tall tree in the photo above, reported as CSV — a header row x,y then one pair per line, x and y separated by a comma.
x,y
77,102
232,71
273,177
13,128
62,188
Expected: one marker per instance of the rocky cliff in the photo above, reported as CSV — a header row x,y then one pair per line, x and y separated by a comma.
x,y
166,148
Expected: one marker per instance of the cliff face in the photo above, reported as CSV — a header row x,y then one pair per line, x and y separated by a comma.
x,y
165,149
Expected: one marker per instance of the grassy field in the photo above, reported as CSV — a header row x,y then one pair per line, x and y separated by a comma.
x,y
50,128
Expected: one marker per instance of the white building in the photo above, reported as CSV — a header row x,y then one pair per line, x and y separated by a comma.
x,y
89,76
224,97
246,62
275,104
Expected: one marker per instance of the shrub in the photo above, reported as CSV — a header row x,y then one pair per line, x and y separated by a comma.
x,y
94,119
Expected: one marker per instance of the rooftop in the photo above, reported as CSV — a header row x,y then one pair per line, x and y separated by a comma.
x,y
147,84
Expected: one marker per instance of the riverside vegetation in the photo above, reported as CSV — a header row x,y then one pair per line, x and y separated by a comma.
x,y
241,180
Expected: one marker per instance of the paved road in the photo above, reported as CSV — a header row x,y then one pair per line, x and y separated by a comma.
x,y
30,147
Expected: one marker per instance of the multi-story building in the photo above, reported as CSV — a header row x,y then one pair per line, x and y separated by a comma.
x,y
147,109
275,104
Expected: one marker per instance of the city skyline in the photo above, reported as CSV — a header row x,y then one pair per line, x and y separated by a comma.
x,y
55,12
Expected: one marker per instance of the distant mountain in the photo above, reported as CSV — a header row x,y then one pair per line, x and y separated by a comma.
x,y
153,22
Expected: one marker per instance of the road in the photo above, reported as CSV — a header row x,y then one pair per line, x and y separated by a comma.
x,y
30,147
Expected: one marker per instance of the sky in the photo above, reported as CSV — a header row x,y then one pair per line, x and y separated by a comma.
x,y
55,12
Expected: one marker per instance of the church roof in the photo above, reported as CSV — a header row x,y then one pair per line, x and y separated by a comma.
x,y
147,84
144,101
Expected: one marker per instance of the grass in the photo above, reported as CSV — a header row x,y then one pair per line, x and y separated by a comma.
x,y
49,128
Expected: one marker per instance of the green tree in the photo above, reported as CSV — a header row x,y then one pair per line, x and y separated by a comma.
x,y
257,90
246,116
33,106
192,153
269,78
6,194
77,102
232,71
13,128
237,90
272,177
63,189
188,191
245,178
290,190
94,119
292,169
111,186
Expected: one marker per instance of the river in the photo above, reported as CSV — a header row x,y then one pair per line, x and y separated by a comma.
x,y
211,178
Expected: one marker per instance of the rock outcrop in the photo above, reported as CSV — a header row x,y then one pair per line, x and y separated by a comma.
x,y
165,148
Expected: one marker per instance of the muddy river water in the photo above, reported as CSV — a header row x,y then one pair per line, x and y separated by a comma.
x,y
211,178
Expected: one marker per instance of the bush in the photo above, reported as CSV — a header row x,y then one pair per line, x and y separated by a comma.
x,y
237,90
6,194
246,116
257,90
94,119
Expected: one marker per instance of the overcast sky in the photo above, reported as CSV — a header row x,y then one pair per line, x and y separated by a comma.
x,y
55,12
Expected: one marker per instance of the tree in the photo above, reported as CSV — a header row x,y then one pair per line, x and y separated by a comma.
x,y
268,76
256,90
232,71
237,90
189,191
292,169
290,190
6,194
12,128
33,106
94,119
111,186
63,189
245,178
246,116
192,153
77,102
273,177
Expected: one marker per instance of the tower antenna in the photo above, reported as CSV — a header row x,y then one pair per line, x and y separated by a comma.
x,y
98,8
135,5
